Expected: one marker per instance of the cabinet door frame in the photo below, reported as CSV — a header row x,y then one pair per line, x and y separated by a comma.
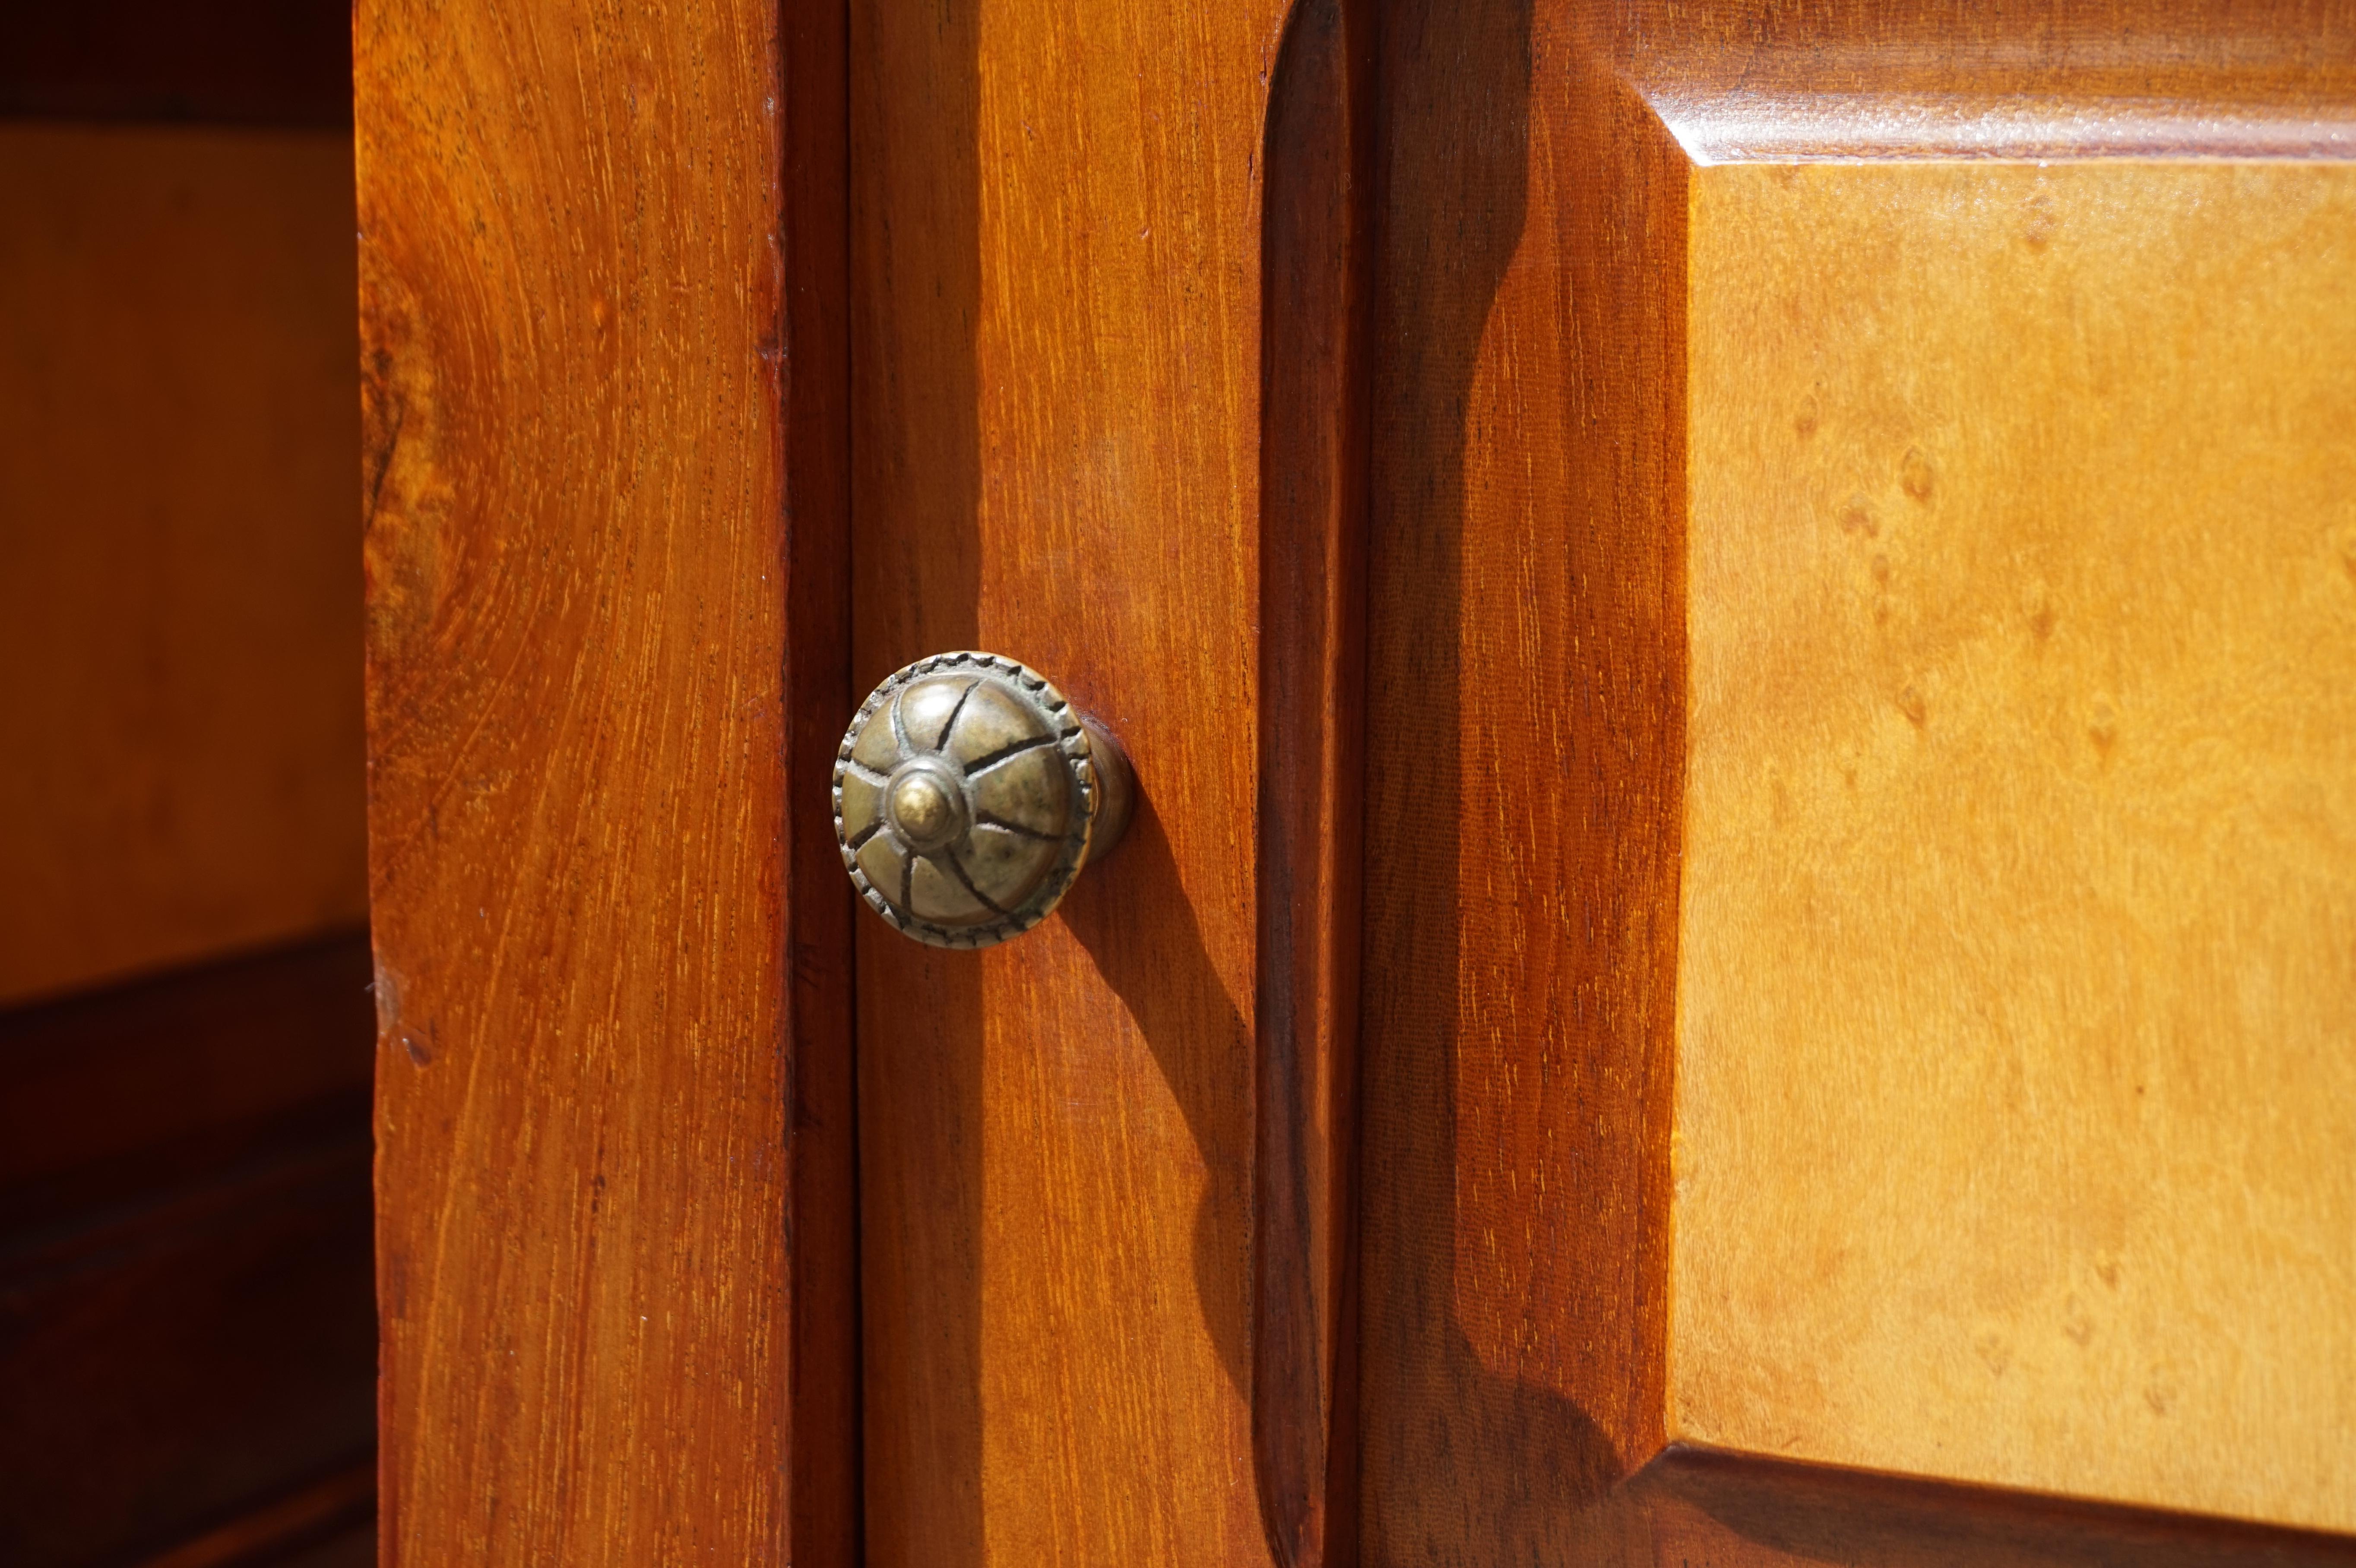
x,y
605,351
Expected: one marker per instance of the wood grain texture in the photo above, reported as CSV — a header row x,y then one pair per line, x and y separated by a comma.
x,y
581,369
1525,662
179,582
1055,259
1694,1507
1528,647
1316,272
915,264
2025,78
2015,1079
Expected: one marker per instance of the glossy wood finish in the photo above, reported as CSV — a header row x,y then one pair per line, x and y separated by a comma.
x,y
1317,271
2017,78
1070,322
1696,1507
187,1328
1526,647
2018,965
611,1041
1056,393
1528,634
179,618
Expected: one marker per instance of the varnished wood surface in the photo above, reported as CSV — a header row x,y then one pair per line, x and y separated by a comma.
x,y
2018,989
1696,1507
582,366
1056,393
1525,662
915,292
1054,291
815,200
1527,631
2024,79
1700,1509
1317,271
180,567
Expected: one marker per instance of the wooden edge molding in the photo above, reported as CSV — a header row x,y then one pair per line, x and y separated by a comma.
x,y
1316,239
2014,79
1747,1508
819,903
1833,127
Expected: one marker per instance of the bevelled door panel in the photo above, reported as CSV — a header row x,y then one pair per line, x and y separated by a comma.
x,y
1860,973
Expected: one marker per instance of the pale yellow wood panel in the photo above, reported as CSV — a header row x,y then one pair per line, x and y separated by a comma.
x,y
180,758
2017,1064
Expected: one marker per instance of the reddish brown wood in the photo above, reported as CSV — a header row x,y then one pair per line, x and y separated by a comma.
x,y
1056,247
354,1548
1052,207
601,502
1316,238
1524,634
916,472
1528,673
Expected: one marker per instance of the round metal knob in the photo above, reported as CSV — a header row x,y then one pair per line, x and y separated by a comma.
x,y
969,793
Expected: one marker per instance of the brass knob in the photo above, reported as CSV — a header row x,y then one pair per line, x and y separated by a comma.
x,y
969,793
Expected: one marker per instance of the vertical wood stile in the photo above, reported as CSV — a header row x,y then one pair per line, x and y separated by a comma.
x,y
1316,243
602,262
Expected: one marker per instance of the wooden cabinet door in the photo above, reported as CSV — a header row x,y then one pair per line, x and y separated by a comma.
x,y
1737,633
1850,991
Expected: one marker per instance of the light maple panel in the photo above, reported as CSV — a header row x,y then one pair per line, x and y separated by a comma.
x,y
2016,1040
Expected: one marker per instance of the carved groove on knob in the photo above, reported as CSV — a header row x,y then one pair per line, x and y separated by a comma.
x,y
969,793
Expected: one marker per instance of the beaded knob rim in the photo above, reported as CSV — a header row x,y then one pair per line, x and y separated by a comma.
x,y
1075,743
